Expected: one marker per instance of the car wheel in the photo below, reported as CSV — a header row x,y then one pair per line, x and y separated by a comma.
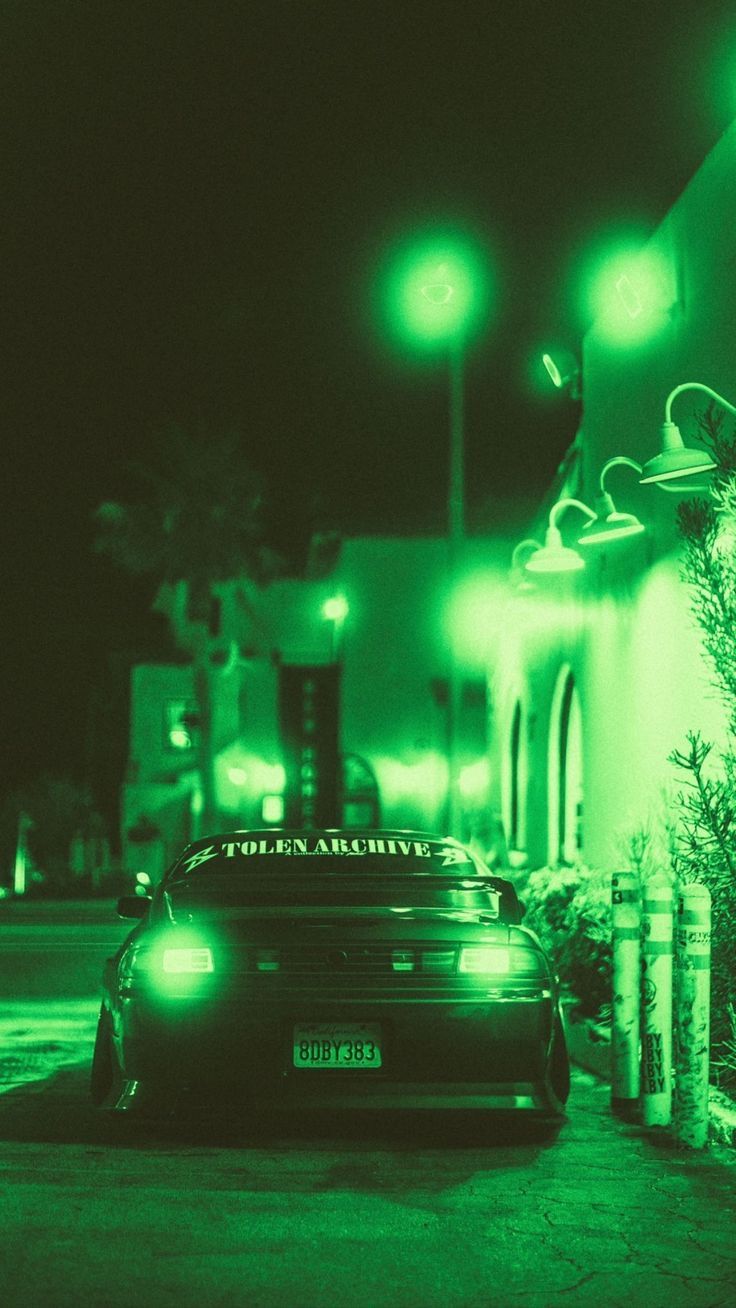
x,y
103,1065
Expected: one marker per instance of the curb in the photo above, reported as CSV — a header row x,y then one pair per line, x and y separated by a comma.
x,y
589,1047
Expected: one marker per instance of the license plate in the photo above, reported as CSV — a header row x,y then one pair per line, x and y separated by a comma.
x,y
352,1046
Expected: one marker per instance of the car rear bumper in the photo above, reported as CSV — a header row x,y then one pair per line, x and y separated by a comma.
x,y
473,1052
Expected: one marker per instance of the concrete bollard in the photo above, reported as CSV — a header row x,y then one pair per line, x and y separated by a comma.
x,y
626,921
692,1015
656,1036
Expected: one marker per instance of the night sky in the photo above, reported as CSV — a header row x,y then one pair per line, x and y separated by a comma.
x,y
196,198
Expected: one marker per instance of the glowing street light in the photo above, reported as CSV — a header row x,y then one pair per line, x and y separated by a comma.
x,y
435,296
435,292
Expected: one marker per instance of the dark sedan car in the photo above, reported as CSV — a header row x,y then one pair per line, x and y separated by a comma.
x,y
333,969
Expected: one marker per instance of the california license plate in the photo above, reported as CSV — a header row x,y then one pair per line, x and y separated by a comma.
x,y
353,1046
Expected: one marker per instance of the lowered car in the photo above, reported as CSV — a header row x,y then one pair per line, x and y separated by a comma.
x,y
334,969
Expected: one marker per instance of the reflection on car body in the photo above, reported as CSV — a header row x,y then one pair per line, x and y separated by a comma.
x,y
331,969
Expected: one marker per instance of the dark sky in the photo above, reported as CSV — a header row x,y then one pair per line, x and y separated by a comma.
x,y
195,199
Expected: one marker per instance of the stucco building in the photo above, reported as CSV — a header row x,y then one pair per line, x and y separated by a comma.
x,y
599,674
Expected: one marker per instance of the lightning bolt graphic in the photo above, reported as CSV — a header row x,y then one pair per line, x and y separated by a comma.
x,y
452,855
201,856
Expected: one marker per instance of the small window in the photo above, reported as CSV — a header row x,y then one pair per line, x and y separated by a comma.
x,y
517,783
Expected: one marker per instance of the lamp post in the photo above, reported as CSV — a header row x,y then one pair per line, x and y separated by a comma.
x,y
435,295
455,536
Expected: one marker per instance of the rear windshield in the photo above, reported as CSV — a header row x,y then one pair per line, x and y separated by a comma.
x,y
388,874
317,854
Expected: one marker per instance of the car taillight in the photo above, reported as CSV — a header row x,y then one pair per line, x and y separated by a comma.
x,y
188,960
488,959
433,961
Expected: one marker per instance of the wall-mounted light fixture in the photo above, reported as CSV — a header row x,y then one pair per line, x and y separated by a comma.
x,y
675,458
517,572
553,556
564,371
609,524
527,544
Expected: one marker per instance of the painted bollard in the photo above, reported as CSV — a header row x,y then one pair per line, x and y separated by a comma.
x,y
626,922
656,1007
692,1015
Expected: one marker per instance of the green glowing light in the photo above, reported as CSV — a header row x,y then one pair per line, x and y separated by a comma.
x,y
554,556
474,779
423,779
188,960
553,370
272,809
629,297
565,560
484,959
472,615
179,962
435,290
614,527
628,291
335,609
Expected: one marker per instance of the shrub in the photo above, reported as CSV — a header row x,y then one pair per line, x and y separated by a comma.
x,y
569,908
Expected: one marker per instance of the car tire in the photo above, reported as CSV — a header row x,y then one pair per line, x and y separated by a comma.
x,y
103,1061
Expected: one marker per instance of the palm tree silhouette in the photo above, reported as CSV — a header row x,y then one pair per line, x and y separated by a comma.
x,y
194,519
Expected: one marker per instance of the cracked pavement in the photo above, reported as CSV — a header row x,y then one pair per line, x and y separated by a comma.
x,y
412,1212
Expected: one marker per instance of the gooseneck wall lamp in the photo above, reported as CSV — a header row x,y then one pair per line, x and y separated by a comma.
x,y
609,524
675,458
517,571
528,544
674,462
553,556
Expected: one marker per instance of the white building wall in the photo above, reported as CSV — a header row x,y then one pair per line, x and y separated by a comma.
x,y
624,625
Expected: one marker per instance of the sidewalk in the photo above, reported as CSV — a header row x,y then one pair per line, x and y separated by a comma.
x,y
590,1048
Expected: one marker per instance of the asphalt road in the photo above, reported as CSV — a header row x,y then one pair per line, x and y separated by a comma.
x,y
56,949
407,1211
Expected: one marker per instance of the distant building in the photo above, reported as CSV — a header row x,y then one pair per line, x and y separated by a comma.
x,y
330,700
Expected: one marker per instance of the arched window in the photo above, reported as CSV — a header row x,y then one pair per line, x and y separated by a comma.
x,y
517,780
565,772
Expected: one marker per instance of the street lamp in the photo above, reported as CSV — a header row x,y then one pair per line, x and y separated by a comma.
x,y
436,294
